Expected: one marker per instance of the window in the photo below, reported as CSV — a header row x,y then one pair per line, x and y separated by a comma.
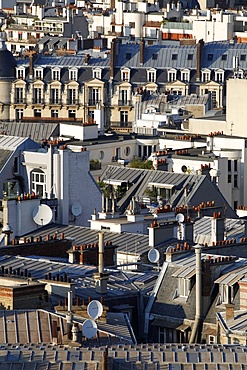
x,y
128,56
211,339
155,56
229,179
190,56
223,57
38,73
235,165
19,95
229,165
235,205
19,73
213,94
38,185
132,24
210,57
54,113
72,114
37,112
97,72
16,165
243,57
123,118
151,75
125,75
127,151
94,94
185,75
123,96
91,115
37,95
206,76
72,96
54,96
219,76
235,181
73,74
18,114
174,56
172,75
226,292
184,287
55,74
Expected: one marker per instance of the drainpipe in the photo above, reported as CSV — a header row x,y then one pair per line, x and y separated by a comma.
x,y
196,330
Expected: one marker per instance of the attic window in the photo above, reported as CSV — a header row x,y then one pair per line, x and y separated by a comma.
x,y
190,56
174,56
210,57
224,57
155,56
243,57
128,56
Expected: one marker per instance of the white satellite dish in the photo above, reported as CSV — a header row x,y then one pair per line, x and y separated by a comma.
x,y
94,309
42,215
153,255
89,328
180,217
76,209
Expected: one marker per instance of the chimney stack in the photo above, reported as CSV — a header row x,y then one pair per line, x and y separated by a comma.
x,y
199,48
142,48
217,227
112,58
101,277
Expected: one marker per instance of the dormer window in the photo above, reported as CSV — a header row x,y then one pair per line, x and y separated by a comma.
x,y
20,72
55,74
125,74
219,76
73,74
185,75
184,287
172,75
151,75
206,75
38,73
97,72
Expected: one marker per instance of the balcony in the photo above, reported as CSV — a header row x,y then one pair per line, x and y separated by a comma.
x,y
72,102
39,101
20,101
125,103
94,102
118,124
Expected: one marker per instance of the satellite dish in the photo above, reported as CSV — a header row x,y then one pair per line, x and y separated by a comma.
x,y
76,209
89,328
184,168
42,215
94,309
153,255
180,217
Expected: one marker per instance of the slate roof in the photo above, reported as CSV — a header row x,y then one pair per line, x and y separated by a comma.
x,y
34,130
4,157
139,357
126,242
120,283
33,326
199,188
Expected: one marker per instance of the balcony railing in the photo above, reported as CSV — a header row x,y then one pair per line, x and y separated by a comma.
x,y
20,101
121,124
72,101
38,101
94,102
55,101
125,103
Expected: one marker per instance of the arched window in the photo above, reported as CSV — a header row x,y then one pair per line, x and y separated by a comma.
x,y
38,182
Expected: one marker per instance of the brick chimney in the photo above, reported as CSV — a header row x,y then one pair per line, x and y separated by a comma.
x,y
199,48
142,51
217,227
112,57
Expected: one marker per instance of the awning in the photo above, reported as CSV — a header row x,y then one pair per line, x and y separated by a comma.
x,y
210,331
161,185
183,327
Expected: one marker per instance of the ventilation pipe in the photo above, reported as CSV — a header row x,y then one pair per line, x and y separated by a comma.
x,y
101,253
196,330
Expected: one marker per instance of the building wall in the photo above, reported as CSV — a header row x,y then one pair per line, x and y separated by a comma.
x,y
236,103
